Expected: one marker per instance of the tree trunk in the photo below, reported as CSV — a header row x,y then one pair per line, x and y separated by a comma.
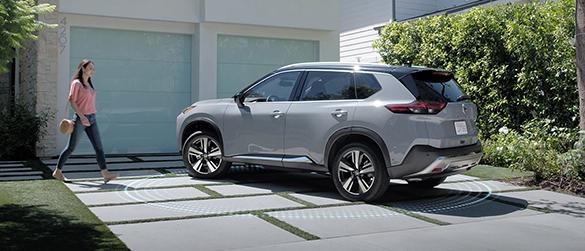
x,y
580,44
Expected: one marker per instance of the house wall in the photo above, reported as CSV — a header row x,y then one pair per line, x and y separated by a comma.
x,y
45,63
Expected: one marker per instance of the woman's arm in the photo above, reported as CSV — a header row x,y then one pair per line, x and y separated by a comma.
x,y
82,117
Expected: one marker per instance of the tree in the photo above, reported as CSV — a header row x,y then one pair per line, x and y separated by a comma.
x,y
18,23
580,44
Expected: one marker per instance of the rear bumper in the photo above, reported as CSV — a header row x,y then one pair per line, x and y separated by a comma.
x,y
425,162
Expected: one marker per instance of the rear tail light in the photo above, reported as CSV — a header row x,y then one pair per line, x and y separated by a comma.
x,y
418,107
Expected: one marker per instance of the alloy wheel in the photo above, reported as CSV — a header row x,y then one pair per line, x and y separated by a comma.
x,y
204,155
356,172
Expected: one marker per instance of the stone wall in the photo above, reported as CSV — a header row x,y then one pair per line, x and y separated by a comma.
x,y
38,78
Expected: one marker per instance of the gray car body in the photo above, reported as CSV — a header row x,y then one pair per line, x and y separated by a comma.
x,y
302,134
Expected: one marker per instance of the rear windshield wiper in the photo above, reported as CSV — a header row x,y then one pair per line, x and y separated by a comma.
x,y
462,97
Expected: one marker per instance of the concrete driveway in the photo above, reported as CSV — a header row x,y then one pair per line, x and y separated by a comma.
x,y
156,206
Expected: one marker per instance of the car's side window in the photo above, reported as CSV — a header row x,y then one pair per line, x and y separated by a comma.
x,y
276,88
324,85
366,85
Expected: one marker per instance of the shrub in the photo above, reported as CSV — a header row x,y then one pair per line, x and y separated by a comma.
x,y
542,148
20,129
516,61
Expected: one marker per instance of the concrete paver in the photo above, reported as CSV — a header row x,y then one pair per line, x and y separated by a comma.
x,y
555,202
217,233
460,177
120,166
191,208
160,158
122,174
11,162
140,195
137,183
537,232
14,169
257,188
15,178
21,173
348,220
8,165
52,162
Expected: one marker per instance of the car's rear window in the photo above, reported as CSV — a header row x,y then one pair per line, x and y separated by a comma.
x,y
433,86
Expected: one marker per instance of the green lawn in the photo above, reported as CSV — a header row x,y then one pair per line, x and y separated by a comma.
x,y
496,173
45,215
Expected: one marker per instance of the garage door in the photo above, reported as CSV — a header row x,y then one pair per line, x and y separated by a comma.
x,y
242,60
142,79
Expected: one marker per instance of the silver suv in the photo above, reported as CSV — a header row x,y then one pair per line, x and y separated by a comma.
x,y
361,123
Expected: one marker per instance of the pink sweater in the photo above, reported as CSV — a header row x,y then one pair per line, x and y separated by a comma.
x,y
84,98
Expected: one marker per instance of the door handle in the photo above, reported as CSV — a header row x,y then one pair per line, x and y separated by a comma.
x,y
339,113
277,114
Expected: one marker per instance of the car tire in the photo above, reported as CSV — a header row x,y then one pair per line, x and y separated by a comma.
x,y
428,183
365,181
203,156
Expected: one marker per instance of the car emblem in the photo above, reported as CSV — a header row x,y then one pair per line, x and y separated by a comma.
x,y
464,108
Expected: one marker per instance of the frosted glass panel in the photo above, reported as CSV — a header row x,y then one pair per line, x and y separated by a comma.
x,y
142,79
242,60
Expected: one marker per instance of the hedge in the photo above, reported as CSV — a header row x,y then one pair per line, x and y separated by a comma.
x,y
516,61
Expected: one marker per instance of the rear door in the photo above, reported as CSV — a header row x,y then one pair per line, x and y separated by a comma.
x,y
326,103
454,125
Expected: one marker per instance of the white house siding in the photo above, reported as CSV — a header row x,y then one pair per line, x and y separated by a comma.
x,y
359,18
356,45
362,13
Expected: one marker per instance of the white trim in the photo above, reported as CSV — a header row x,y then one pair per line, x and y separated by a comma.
x,y
129,24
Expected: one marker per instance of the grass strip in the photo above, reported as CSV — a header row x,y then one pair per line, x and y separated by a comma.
x,y
208,191
285,226
134,158
162,170
486,172
415,215
287,195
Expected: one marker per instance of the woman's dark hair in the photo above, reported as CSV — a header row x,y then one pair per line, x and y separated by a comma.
x,y
79,73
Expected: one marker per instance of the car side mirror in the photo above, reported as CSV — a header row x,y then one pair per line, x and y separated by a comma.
x,y
239,99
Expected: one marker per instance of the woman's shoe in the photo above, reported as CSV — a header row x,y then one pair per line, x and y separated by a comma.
x,y
58,175
108,176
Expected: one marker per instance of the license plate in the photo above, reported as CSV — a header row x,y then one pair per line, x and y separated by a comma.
x,y
460,127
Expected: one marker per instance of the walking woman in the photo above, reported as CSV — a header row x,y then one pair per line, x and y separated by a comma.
x,y
82,99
